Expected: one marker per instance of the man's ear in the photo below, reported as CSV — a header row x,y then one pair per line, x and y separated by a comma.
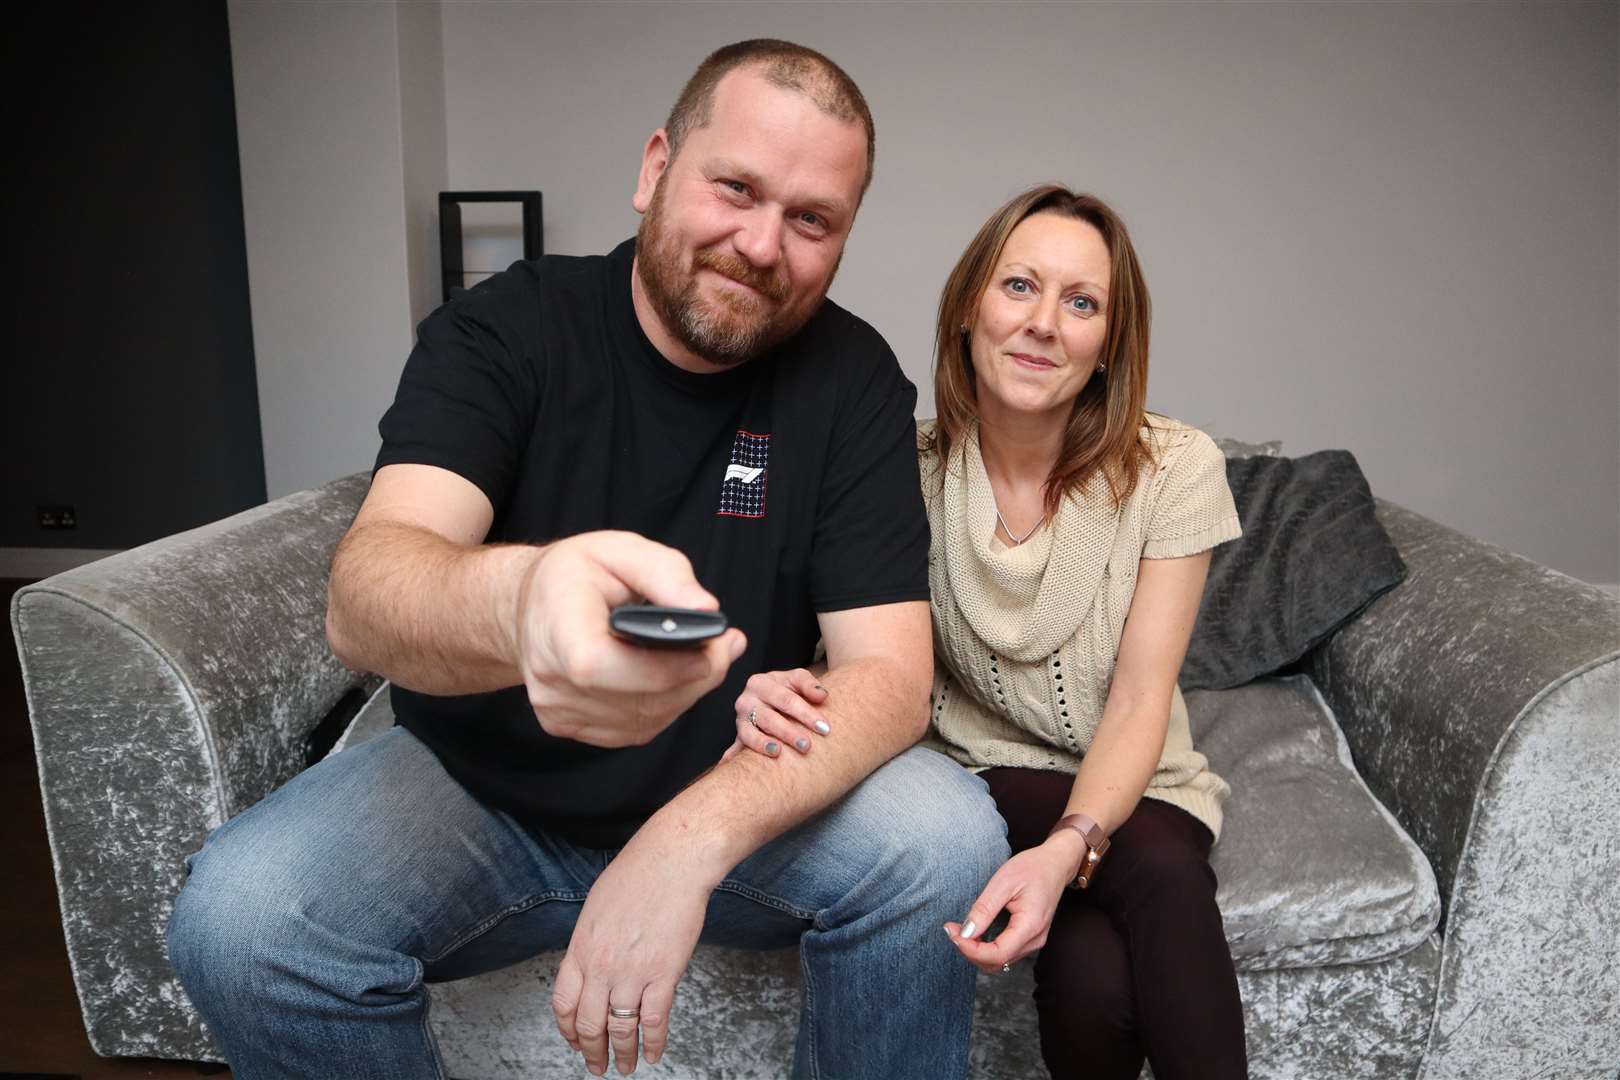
x,y
654,160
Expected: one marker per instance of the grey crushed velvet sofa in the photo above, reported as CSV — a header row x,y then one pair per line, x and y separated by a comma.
x,y
1420,873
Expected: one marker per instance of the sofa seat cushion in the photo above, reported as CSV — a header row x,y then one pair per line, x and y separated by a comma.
x,y
375,717
1313,870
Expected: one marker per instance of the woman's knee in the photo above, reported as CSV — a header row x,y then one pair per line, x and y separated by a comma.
x,y
1161,851
1161,871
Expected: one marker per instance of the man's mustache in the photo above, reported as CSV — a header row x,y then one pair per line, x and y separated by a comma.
x,y
764,281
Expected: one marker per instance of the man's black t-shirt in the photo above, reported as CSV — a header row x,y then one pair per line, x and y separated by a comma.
x,y
789,481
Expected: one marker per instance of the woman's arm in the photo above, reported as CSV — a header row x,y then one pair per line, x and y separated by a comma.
x,y
1115,770
1130,738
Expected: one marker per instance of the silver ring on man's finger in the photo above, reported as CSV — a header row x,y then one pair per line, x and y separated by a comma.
x,y
753,717
624,1014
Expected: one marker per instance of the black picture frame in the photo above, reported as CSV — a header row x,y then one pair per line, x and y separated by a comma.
x,y
450,251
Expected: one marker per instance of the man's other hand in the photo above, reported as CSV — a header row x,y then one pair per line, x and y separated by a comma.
x,y
586,684
630,948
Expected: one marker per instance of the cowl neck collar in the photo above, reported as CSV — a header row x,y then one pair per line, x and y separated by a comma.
x,y
1025,601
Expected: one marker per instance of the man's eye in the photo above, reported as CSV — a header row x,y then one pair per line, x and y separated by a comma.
x,y
812,220
737,186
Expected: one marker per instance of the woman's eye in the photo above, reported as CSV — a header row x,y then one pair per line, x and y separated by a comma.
x,y
1084,304
1018,286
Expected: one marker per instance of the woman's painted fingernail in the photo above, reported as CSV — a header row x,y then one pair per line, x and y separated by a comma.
x,y
802,744
772,749
823,727
968,928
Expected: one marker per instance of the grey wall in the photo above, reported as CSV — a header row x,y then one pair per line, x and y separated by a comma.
x,y
1391,228
322,109
127,282
424,166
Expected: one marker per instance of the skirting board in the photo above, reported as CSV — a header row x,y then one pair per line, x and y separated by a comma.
x,y
32,564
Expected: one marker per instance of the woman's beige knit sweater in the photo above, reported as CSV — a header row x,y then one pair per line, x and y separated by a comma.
x,y
1025,638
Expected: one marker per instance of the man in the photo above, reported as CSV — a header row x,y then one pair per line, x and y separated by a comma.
x,y
685,420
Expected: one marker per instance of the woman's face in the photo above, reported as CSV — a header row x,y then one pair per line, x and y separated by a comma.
x,y
1042,319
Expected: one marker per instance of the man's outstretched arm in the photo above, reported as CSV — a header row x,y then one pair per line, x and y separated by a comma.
x,y
642,918
416,597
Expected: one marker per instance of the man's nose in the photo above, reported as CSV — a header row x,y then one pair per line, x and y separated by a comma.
x,y
760,239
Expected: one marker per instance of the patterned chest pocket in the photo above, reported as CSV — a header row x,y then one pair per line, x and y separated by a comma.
x,y
742,490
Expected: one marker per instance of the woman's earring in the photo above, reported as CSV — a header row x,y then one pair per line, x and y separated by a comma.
x,y
1102,369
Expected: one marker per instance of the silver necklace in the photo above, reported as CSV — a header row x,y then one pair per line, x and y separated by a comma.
x,y
1016,539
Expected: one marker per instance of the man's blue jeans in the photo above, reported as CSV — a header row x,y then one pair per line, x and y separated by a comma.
x,y
309,923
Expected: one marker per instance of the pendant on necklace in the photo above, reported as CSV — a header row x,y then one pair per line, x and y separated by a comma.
x,y
1016,539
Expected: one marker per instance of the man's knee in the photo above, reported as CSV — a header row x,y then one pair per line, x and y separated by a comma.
x,y
204,934
943,831
234,920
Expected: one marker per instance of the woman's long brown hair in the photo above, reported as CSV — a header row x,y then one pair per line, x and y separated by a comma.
x,y
1104,431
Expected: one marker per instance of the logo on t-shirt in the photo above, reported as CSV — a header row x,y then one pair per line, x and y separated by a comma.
x,y
742,492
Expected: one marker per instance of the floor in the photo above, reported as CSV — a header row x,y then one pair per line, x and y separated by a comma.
x,y
41,1034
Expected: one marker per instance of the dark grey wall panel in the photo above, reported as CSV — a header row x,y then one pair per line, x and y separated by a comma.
x,y
129,376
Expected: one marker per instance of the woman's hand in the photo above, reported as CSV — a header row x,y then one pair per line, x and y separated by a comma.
x,y
1029,885
783,707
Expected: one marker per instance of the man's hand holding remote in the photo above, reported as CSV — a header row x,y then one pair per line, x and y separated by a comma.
x,y
587,684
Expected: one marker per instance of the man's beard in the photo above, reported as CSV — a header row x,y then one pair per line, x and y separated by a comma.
x,y
734,328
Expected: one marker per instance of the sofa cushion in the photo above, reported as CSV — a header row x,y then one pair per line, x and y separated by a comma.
x,y
1311,556
1312,869
375,717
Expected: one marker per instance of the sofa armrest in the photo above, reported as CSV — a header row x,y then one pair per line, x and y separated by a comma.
x,y
1481,701
170,687
1428,680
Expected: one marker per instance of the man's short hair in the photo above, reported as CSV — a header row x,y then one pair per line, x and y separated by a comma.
x,y
781,63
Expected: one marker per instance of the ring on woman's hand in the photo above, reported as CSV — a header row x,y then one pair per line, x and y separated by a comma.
x,y
624,1014
753,717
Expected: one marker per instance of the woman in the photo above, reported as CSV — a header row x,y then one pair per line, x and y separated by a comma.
x,y
1071,538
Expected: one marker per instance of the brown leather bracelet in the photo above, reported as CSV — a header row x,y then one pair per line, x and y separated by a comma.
x,y
1096,845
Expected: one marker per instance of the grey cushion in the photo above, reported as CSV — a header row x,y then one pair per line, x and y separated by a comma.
x,y
1313,870
1311,556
